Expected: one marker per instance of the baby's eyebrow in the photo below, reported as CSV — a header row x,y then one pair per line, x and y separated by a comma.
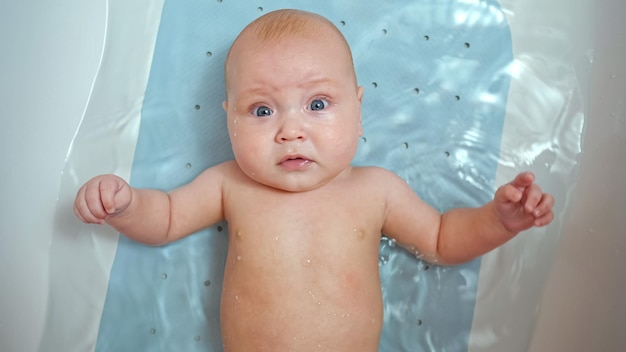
x,y
257,90
317,81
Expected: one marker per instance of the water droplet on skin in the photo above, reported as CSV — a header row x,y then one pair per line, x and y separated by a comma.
x,y
239,234
277,238
238,258
153,331
188,165
207,283
197,338
236,298
164,276
306,262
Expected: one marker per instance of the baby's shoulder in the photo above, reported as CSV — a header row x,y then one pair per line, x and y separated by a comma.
x,y
374,175
375,172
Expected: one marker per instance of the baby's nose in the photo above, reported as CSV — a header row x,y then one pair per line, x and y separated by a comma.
x,y
291,129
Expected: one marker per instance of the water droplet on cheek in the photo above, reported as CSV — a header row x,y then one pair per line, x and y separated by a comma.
x,y
306,262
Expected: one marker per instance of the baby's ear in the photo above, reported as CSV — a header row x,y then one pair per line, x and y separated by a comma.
x,y
225,105
359,93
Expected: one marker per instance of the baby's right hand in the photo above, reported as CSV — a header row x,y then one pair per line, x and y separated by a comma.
x,y
102,197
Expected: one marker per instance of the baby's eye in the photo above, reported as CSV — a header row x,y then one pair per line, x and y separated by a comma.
x,y
262,111
318,104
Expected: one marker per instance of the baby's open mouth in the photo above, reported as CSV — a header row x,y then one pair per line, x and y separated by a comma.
x,y
294,162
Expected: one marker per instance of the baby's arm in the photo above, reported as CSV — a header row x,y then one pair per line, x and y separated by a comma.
x,y
462,234
151,216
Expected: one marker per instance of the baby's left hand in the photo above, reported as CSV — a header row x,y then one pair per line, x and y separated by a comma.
x,y
522,204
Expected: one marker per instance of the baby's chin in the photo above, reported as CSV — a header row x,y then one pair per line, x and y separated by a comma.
x,y
289,186
293,188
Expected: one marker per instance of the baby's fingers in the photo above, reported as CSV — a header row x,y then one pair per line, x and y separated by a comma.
x,y
108,188
87,208
543,212
533,196
523,180
544,220
509,194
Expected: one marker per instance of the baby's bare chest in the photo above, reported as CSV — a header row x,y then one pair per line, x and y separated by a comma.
x,y
307,269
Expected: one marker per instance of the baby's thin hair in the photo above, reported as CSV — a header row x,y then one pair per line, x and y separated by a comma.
x,y
285,23
280,24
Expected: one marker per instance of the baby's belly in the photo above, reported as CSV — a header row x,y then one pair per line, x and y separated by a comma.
x,y
301,303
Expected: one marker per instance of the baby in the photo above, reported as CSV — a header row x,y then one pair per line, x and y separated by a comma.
x,y
304,225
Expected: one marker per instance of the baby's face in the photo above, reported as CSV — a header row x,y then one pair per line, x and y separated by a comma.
x,y
294,110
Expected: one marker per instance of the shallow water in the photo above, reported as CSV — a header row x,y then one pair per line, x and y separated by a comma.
x,y
442,87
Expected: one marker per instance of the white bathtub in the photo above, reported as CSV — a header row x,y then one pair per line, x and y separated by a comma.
x,y
50,56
